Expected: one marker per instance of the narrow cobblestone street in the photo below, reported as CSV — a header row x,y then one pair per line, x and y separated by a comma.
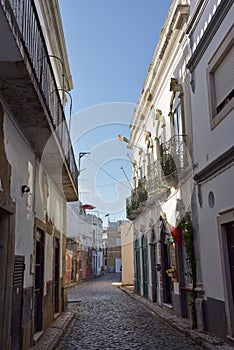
x,y
107,318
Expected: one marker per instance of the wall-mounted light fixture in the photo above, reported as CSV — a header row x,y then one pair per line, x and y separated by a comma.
x,y
124,139
25,189
81,154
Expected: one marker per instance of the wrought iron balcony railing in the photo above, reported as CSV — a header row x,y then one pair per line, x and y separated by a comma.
x,y
154,176
174,155
26,19
139,195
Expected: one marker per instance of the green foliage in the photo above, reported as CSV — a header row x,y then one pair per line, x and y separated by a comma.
x,y
187,226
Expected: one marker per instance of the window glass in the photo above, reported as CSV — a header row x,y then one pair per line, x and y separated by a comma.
x,y
177,121
224,78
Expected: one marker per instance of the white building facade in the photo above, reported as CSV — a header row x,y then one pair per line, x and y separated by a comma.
x,y
87,230
181,138
162,169
38,174
211,66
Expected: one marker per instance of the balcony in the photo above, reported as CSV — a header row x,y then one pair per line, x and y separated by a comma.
x,y
172,166
28,86
136,203
154,177
174,155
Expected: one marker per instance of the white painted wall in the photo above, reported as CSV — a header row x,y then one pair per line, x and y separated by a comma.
x,y
85,227
24,168
208,145
21,159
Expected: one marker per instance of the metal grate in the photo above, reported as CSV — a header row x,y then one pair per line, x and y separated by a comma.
x,y
19,268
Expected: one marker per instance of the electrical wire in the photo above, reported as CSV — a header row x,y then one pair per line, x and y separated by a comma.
x,y
101,168
107,185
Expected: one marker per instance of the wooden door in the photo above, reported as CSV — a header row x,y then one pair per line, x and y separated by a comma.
x,y
16,318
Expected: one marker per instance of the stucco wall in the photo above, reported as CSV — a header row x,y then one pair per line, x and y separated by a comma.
x,y
127,251
210,248
22,161
209,144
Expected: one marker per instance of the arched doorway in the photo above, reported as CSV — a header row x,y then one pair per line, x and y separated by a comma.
x,y
144,265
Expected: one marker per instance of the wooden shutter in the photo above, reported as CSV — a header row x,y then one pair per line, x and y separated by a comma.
x,y
224,77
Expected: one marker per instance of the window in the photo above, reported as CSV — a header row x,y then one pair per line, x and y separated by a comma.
x,y
220,76
177,121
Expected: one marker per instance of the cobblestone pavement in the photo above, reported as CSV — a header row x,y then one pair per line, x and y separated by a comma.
x,y
107,318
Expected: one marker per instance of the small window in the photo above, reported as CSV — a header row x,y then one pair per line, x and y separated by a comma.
x,y
177,121
220,76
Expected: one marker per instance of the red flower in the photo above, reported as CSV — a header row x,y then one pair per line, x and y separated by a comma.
x,y
88,206
175,234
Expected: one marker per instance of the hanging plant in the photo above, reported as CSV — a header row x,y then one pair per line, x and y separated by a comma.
x,y
187,227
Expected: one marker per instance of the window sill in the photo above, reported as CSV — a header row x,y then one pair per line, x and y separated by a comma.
x,y
222,114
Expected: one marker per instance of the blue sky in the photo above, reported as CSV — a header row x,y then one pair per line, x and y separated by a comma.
x,y
110,45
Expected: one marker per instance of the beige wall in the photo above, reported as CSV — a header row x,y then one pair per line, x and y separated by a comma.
x,y
127,248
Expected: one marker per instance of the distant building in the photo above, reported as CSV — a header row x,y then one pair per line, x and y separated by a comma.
x,y
84,251
38,173
114,261
127,254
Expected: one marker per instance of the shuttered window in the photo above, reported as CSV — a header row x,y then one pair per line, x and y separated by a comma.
x,y
220,79
224,77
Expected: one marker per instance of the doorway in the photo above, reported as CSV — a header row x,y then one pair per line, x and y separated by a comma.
x,y
56,275
39,282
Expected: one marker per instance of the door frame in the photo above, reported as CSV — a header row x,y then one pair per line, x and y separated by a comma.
x,y
7,213
223,219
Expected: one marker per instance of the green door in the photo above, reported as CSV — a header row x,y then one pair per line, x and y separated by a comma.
x,y
153,253
144,266
138,271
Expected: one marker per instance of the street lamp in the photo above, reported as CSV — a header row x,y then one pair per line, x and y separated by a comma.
x,y
82,154
122,138
125,139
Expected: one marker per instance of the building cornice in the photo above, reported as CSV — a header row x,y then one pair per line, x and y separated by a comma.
x,y
208,35
221,162
174,23
197,13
